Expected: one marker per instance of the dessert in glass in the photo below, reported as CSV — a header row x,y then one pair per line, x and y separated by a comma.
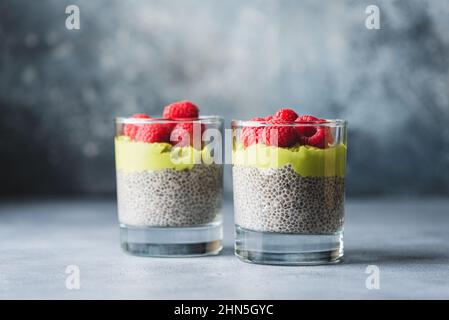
x,y
170,182
289,189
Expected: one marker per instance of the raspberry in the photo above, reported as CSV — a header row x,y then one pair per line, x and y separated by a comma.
x,y
316,136
306,130
130,130
181,110
287,115
183,134
154,132
318,139
279,136
251,135
307,118
141,116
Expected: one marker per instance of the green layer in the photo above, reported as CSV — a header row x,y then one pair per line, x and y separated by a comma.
x,y
306,160
131,156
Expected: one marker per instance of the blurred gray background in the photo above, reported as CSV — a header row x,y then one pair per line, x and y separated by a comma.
x,y
61,89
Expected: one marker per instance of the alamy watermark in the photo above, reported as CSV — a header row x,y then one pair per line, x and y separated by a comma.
x,y
207,147
72,280
372,21
372,282
72,22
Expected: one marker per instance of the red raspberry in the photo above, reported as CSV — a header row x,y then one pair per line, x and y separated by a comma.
x,y
130,130
183,134
318,139
154,132
181,110
287,115
307,130
141,116
251,135
316,136
279,136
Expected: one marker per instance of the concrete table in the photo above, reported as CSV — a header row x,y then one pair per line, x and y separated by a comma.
x,y
408,240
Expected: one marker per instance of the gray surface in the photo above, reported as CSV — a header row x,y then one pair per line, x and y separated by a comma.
x,y
407,239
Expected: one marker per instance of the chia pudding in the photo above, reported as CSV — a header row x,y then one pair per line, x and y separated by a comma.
x,y
166,176
281,200
289,175
170,198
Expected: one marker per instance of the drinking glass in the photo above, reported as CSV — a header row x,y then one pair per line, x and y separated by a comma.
x,y
289,201
169,194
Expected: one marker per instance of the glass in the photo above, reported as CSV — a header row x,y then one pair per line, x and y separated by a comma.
x,y
169,194
289,201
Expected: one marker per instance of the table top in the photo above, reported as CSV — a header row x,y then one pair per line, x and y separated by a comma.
x,y
406,239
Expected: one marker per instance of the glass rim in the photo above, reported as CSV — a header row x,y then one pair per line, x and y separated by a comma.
x,y
202,119
320,123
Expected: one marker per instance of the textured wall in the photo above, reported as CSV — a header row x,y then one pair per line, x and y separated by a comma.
x,y
60,89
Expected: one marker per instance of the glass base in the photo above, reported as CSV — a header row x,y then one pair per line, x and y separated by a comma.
x,y
172,242
288,249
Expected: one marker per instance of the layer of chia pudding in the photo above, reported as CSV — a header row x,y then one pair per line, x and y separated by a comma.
x,y
169,197
281,200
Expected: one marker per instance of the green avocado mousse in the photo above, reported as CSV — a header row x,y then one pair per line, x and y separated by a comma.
x,y
133,156
308,161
